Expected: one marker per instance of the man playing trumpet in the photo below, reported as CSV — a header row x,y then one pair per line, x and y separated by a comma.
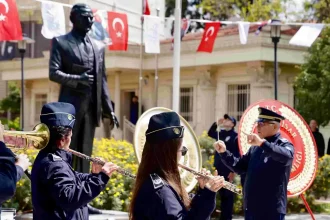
x,y
267,165
59,192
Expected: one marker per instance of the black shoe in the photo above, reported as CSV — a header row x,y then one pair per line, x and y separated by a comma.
x,y
92,210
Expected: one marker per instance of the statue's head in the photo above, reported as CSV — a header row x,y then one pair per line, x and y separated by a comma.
x,y
82,17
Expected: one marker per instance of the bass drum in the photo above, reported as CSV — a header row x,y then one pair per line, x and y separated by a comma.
x,y
8,214
192,159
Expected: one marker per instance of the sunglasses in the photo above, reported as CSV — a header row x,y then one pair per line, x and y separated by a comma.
x,y
261,124
184,151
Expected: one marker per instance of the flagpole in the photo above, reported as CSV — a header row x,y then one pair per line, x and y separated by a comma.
x,y
141,61
156,72
176,57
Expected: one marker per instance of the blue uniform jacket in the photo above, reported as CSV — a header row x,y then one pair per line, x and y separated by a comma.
x,y
9,173
157,200
267,171
230,139
59,192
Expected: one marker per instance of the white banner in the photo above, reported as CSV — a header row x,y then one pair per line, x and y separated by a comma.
x,y
53,20
243,29
306,35
152,27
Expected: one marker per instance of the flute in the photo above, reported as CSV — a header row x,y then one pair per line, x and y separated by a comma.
x,y
98,161
228,185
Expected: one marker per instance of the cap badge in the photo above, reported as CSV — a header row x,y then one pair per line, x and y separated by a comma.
x,y
70,117
176,130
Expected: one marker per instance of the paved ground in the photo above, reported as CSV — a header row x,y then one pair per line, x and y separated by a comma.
x,y
298,217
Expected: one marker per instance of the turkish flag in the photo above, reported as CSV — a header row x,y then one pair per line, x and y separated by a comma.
x,y
10,25
146,9
209,36
118,30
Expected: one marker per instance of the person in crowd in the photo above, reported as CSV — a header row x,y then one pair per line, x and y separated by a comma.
x,y
318,137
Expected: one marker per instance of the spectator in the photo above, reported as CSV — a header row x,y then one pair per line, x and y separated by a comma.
x,y
318,137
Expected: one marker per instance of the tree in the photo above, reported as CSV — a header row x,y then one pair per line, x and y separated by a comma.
x,y
247,10
317,10
12,102
312,85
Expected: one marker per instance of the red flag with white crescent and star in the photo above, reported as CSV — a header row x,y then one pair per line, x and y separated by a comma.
x,y
118,30
209,36
146,9
10,25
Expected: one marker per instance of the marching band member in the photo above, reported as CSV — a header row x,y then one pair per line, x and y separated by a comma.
x,y
267,165
11,169
59,192
158,192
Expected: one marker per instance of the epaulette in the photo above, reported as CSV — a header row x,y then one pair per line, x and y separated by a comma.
x,y
156,181
55,157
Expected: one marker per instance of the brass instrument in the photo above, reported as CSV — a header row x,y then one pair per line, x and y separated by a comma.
x,y
38,138
98,161
191,162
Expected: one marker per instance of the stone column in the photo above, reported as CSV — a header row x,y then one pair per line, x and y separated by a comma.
x,y
117,95
206,90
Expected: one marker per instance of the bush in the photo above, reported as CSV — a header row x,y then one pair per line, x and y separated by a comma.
x,y
116,195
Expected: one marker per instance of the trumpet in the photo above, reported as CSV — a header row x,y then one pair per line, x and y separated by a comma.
x,y
227,185
38,138
124,172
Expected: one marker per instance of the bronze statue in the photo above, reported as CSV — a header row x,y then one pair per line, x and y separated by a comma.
x,y
77,63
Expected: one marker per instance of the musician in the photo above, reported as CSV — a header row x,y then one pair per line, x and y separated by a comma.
x,y
267,165
59,192
158,193
229,136
77,63
11,169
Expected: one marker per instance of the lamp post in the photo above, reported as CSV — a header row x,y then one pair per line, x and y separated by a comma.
x,y
275,34
21,44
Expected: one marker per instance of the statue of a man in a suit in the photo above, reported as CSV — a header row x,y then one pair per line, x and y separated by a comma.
x,y
77,63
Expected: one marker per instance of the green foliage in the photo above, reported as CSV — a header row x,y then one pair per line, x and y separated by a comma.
x,y
321,185
312,85
317,10
118,192
261,10
11,124
12,101
170,6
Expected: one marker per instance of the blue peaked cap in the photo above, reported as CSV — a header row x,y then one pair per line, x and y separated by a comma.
x,y
58,114
164,126
268,115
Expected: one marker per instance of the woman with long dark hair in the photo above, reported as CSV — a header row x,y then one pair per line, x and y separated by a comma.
x,y
158,193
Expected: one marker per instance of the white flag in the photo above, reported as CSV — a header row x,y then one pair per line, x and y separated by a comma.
x,y
53,20
151,34
243,29
306,35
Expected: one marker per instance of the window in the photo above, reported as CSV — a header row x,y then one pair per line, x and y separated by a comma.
x,y
238,100
40,100
186,103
